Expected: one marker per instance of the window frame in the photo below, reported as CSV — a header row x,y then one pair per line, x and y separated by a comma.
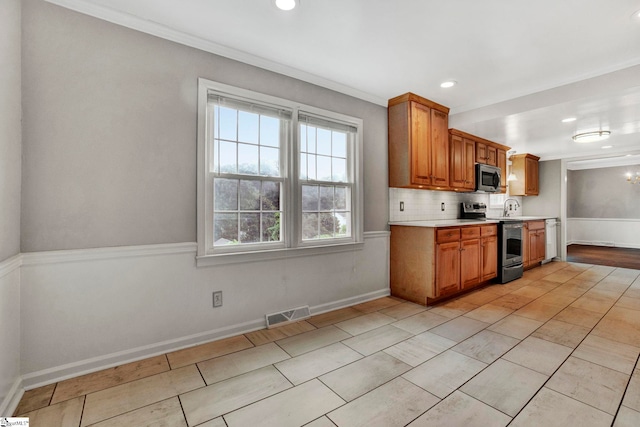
x,y
291,243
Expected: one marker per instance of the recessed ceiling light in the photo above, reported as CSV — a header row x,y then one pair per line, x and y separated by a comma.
x,y
286,4
569,119
448,84
598,135
604,147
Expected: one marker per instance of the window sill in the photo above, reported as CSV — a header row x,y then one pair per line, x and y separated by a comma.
x,y
274,254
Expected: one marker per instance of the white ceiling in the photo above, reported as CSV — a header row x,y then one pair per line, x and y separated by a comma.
x,y
521,66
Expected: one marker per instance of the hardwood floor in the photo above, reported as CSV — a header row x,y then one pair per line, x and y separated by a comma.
x,y
604,255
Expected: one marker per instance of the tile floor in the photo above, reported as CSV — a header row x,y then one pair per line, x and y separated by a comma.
x,y
558,347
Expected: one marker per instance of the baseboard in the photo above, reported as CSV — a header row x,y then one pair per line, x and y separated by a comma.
x,y
11,401
599,243
71,370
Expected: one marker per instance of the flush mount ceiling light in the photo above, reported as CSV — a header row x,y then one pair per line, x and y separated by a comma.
x,y
569,119
598,135
448,84
286,4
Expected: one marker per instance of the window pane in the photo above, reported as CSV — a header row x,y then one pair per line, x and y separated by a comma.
x,y
309,226
311,166
214,166
248,127
310,198
341,198
324,168
303,166
271,227
228,123
303,138
343,226
339,146
269,161
270,196
269,131
326,198
324,142
249,227
225,194
248,159
311,139
228,161
327,225
225,229
339,171
249,195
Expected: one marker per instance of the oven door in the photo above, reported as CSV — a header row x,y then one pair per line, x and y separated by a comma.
x,y
511,243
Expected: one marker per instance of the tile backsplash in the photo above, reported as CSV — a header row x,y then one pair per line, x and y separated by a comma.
x,y
426,205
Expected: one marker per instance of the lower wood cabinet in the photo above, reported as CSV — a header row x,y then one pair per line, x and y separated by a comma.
x,y
534,245
428,264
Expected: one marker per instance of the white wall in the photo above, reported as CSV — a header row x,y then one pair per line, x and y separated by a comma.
x,y
624,233
108,198
88,309
10,183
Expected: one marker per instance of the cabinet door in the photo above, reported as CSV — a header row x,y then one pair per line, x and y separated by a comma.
x,y
420,144
502,164
462,153
481,153
458,171
541,245
447,268
439,149
470,164
531,169
525,244
470,267
489,253
533,247
492,156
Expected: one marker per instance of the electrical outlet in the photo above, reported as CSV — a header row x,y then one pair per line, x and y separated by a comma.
x,y
442,206
217,299
401,206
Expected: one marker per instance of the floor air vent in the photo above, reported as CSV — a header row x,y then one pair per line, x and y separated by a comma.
x,y
287,316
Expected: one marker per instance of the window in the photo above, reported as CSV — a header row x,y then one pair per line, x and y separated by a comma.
x,y
274,176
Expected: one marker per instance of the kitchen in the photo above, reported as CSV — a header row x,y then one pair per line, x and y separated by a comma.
x,y
99,236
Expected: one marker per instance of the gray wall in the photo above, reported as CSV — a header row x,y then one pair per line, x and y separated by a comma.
x,y
110,132
10,128
549,202
602,193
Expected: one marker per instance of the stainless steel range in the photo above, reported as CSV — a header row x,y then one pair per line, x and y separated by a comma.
x,y
510,265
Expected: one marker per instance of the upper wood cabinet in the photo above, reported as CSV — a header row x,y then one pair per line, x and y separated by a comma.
x,y
525,168
418,143
466,150
462,152
502,164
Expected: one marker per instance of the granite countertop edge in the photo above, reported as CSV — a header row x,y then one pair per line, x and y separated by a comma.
x,y
461,222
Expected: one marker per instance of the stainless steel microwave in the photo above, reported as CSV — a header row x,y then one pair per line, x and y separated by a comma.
x,y
487,178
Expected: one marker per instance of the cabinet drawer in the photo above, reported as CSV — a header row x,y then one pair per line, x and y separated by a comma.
x,y
488,230
469,233
535,225
444,235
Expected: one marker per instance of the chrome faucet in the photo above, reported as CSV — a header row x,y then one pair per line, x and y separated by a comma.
x,y
506,211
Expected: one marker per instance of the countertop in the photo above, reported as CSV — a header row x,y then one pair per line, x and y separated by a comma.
x,y
460,222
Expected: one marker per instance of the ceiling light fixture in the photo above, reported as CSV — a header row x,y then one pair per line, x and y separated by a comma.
x,y
569,119
448,84
286,4
598,135
604,147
